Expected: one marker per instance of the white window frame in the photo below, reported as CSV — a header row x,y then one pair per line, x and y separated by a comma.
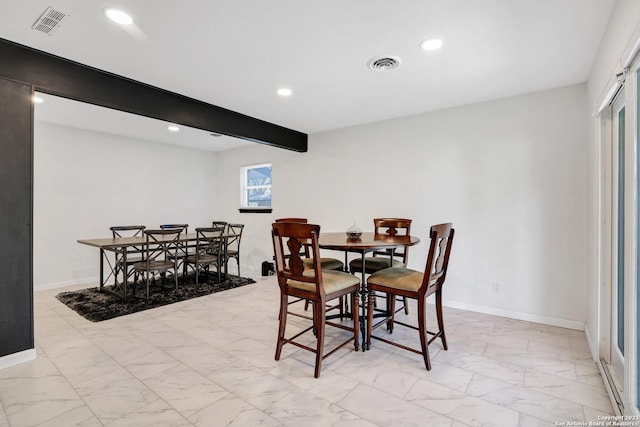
x,y
244,171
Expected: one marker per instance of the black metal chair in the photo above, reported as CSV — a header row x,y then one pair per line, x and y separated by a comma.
x,y
232,247
183,249
134,253
160,255
208,251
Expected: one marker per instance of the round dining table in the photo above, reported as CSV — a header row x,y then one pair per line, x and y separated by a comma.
x,y
365,243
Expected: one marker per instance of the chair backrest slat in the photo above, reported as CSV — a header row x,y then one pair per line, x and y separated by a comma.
x,y
209,240
438,258
233,243
305,248
393,227
162,243
298,220
219,224
127,230
183,227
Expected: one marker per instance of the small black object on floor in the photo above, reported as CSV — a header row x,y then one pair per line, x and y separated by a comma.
x,y
97,306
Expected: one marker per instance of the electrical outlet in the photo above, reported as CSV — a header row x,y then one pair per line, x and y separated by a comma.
x,y
496,288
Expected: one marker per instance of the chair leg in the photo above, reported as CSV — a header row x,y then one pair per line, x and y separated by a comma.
x,y
422,329
391,301
370,308
406,305
238,261
147,284
440,319
314,329
282,325
356,319
319,321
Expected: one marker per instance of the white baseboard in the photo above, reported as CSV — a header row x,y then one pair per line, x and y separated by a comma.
x,y
595,351
17,358
64,284
536,318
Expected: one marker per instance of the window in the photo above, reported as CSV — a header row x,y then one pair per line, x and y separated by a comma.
x,y
256,187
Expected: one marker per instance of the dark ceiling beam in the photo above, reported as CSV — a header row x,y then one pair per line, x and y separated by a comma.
x,y
61,77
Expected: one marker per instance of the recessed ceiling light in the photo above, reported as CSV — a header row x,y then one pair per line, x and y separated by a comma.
x,y
283,91
118,16
173,128
431,44
37,100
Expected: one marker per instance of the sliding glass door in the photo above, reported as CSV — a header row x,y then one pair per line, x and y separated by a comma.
x,y
635,342
616,350
619,291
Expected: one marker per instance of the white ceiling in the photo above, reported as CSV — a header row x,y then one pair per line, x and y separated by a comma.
x,y
235,54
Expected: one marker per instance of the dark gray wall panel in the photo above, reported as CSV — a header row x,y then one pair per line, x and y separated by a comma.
x,y
16,164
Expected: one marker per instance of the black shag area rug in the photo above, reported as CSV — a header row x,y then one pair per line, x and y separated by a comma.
x,y
97,306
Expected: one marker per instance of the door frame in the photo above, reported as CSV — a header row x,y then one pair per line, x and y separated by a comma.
x,y
630,381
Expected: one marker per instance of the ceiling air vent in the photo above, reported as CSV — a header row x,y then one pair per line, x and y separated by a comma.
x,y
384,63
49,21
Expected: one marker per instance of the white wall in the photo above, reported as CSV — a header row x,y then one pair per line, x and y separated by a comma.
x,y
624,21
85,182
510,174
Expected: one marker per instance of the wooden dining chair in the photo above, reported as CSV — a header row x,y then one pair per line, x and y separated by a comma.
x,y
386,258
326,263
209,248
160,255
414,285
312,283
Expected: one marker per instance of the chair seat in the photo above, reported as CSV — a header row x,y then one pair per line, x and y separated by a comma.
x,y
202,259
374,264
333,281
325,263
397,278
154,265
130,260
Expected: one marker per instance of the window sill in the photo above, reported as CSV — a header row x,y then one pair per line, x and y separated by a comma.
x,y
255,210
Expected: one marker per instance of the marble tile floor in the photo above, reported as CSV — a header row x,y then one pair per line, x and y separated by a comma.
x,y
210,362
